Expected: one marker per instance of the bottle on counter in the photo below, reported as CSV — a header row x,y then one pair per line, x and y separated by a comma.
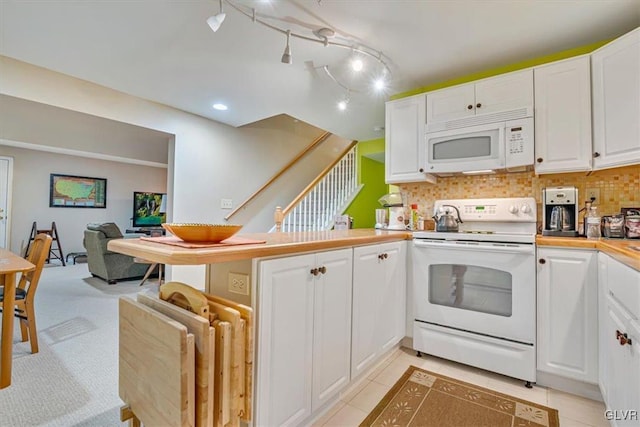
x,y
592,223
413,219
586,209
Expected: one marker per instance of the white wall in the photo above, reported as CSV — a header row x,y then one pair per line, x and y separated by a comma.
x,y
30,203
210,160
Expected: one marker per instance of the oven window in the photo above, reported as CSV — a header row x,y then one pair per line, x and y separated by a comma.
x,y
470,287
461,148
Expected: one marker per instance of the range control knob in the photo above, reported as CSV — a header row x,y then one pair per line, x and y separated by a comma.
x,y
513,209
525,209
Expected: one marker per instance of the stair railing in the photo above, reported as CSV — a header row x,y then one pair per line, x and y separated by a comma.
x,y
326,196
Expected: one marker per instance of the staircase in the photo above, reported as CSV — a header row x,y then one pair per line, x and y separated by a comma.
x,y
329,195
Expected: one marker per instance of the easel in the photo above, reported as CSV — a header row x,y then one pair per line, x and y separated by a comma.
x,y
56,249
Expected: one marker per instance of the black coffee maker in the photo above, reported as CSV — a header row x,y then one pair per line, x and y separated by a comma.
x,y
560,211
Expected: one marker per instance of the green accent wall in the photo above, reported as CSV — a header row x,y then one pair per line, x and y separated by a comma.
x,y
371,173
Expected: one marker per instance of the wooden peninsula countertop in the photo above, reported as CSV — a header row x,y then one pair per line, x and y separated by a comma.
x,y
276,244
620,249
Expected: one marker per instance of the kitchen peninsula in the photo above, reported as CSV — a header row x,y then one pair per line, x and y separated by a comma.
x,y
276,244
330,306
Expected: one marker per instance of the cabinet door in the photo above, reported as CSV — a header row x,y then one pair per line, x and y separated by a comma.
x,y
503,93
393,301
368,279
332,325
451,103
623,366
563,116
616,102
568,313
285,341
379,302
405,150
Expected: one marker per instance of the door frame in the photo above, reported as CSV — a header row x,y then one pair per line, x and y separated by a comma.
x,y
7,213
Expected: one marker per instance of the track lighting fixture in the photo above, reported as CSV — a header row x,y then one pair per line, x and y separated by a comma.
x,y
361,56
286,56
216,20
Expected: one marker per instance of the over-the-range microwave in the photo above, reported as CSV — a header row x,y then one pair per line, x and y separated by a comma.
x,y
482,144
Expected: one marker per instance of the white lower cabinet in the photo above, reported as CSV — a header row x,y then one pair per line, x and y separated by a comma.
x,y
620,342
379,302
304,334
568,313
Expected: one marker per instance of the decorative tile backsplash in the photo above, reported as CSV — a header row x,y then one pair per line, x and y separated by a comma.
x,y
619,187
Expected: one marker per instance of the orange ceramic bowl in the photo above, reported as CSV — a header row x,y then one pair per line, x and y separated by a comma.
x,y
213,233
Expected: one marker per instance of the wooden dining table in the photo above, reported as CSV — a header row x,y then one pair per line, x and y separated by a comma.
x,y
10,265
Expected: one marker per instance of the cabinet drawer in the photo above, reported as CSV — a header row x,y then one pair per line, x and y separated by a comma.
x,y
624,287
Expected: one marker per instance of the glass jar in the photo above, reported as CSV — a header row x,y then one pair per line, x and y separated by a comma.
x,y
592,224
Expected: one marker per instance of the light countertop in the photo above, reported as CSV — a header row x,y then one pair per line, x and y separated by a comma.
x,y
276,244
620,249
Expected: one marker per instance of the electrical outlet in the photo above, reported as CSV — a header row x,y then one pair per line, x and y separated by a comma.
x,y
226,204
593,193
239,283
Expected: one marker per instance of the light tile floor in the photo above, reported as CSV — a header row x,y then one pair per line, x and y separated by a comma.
x,y
358,402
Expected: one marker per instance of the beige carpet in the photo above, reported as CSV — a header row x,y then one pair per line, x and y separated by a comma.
x,y
423,398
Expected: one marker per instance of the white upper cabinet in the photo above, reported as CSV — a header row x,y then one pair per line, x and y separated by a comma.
x,y
563,116
502,93
616,102
405,151
452,103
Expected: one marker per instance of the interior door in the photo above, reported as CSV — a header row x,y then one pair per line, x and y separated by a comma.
x,y
6,174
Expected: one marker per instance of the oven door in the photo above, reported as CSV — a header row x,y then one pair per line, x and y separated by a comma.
x,y
483,287
468,149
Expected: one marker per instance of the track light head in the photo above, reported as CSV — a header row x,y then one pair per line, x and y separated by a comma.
x,y
216,20
286,56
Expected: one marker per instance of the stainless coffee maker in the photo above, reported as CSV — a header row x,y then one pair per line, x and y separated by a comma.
x,y
560,211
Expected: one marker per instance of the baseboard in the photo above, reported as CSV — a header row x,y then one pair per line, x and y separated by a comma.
x,y
568,385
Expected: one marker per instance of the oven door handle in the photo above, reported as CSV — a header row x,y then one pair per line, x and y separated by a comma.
x,y
485,247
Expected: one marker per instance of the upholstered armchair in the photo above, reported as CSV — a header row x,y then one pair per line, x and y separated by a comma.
x,y
107,265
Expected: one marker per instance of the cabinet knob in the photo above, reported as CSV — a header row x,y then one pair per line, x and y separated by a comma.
x,y
542,261
385,256
478,105
539,160
421,170
596,154
322,269
314,271
469,107
623,338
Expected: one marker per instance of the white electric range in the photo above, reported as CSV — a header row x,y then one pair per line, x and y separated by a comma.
x,y
475,289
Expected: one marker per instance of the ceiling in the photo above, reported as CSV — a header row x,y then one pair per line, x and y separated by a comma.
x,y
163,50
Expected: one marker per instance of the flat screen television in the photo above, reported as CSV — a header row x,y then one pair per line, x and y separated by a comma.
x,y
147,209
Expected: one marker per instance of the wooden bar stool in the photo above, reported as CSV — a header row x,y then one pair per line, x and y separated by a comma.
x,y
152,267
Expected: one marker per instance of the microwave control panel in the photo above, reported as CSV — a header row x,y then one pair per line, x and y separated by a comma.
x,y
519,143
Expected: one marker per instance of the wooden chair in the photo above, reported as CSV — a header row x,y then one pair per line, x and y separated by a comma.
x,y
26,289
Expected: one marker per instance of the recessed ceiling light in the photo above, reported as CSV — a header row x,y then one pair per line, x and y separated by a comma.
x,y
342,105
379,84
220,107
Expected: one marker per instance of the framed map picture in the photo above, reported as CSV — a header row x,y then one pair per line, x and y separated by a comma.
x,y
69,191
